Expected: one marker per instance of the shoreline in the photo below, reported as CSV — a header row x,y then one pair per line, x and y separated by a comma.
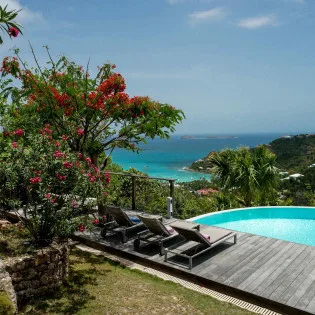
x,y
186,168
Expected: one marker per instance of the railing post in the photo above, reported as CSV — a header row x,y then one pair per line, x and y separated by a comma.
x,y
172,195
133,196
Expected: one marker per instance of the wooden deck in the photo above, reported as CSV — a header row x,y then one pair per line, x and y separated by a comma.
x,y
272,273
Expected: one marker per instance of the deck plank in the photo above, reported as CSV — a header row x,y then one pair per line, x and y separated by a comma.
x,y
307,297
236,262
227,258
278,271
219,254
253,281
293,290
303,288
266,287
290,274
251,264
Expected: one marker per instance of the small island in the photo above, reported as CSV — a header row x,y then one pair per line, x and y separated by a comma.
x,y
185,137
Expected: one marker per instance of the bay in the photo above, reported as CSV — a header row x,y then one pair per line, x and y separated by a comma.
x,y
167,158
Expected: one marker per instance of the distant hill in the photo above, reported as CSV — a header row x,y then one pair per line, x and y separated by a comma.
x,y
294,154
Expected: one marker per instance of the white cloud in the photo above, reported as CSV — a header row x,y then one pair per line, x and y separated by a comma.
x,y
258,22
25,15
208,15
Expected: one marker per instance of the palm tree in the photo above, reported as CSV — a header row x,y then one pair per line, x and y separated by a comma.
x,y
7,23
249,174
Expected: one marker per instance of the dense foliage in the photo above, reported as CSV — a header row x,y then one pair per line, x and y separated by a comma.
x,y
53,184
294,154
151,195
251,175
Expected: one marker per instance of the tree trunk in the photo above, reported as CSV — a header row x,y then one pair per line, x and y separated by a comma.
x,y
100,205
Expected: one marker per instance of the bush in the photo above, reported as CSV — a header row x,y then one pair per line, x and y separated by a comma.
x,y
56,184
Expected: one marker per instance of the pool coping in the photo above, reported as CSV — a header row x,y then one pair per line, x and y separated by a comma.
x,y
241,209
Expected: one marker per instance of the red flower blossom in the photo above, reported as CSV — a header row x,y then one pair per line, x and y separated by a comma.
x,y
18,132
96,221
95,168
92,179
64,137
46,130
13,31
47,196
88,160
113,84
73,203
35,180
58,154
58,144
61,177
53,200
14,145
107,178
80,132
81,228
67,164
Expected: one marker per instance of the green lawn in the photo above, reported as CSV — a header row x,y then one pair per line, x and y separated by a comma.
x,y
97,286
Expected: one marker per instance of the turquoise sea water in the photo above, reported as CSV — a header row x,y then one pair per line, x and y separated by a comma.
x,y
293,224
167,158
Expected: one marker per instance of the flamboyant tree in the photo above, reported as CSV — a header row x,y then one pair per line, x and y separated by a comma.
x,y
95,115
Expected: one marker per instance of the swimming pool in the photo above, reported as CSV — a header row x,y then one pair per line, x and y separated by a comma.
x,y
293,224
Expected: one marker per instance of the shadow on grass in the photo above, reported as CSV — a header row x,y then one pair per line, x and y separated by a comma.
x,y
74,294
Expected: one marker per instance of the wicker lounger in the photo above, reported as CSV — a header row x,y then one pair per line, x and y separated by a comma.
x,y
156,233
217,236
121,223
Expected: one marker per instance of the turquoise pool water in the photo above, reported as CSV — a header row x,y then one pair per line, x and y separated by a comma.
x,y
294,224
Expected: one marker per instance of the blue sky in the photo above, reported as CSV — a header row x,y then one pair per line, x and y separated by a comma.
x,y
233,66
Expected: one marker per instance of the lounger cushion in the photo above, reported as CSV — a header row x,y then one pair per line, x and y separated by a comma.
x,y
207,236
170,229
135,219
194,235
217,234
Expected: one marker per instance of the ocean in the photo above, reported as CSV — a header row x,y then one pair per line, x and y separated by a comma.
x,y
167,158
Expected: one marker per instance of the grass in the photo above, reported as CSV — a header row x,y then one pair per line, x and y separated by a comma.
x,y
97,286
6,307
13,240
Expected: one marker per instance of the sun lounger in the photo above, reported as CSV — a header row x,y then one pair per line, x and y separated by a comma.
x,y
202,243
121,223
156,233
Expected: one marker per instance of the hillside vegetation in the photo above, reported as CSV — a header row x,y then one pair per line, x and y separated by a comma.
x,y
294,154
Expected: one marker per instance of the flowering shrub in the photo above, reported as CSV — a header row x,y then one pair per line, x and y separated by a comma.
x,y
50,181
